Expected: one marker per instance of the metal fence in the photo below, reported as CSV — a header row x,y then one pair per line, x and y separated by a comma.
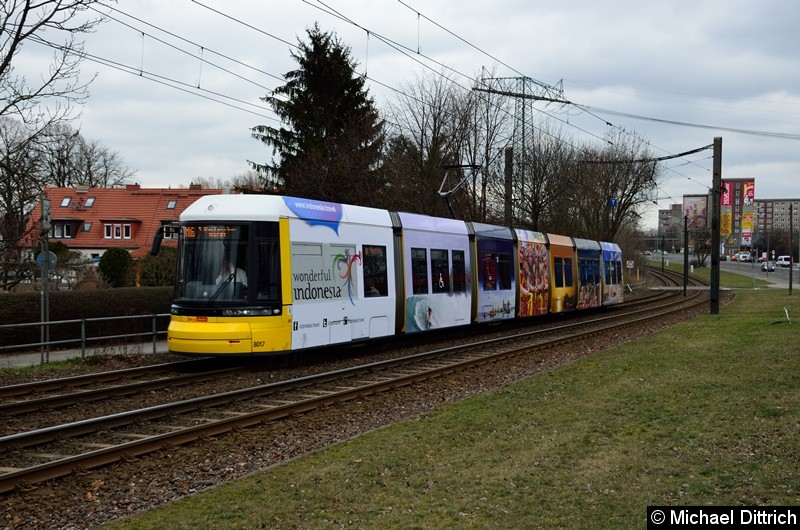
x,y
83,341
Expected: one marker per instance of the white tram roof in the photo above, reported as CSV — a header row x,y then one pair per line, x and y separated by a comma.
x,y
415,221
230,208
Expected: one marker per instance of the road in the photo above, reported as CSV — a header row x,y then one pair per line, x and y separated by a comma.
x,y
779,276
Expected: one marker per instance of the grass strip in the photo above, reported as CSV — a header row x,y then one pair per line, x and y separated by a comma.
x,y
705,413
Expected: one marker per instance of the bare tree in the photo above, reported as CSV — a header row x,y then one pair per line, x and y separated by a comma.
x,y
249,181
71,160
54,24
427,135
542,188
56,156
99,167
486,130
611,184
59,160
701,245
20,177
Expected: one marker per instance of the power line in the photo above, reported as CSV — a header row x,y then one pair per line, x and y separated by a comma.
x,y
416,57
200,46
166,81
542,85
786,136
648,160
243,23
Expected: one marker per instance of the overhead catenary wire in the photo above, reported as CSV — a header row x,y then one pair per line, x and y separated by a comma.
x,y
202,47
786,136
166,81
409,53
389,42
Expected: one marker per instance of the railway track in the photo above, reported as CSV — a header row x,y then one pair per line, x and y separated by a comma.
x,y
36,455
58,394
27,397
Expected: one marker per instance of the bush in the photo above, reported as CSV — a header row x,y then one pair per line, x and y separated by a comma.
x,y
116,268
157,271
18,308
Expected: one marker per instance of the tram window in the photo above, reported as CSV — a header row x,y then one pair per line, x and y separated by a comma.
x,y
489,263
459,272
616,273
496,271
558,272
588,271
419,271
562,272
440,269
268,271
375,277
504,270
567,272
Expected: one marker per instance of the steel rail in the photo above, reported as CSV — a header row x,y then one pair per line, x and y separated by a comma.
x,y
58,401
276,410
36,387
19,407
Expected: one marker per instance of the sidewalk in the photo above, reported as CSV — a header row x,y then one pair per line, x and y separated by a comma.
x,y
19,360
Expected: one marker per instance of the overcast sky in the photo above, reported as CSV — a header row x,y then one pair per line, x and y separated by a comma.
x,y
718,67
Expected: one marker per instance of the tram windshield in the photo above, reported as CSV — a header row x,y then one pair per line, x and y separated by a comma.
x,y
212,263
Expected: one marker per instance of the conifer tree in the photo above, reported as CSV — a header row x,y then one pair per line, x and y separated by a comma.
x,y
331,141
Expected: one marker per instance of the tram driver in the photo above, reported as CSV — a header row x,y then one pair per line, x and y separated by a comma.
x,y
229,273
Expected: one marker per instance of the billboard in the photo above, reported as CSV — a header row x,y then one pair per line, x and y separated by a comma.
x,y
726,196
737,213
749,193
695,209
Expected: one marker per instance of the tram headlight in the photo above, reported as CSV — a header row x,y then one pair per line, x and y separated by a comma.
x,y
246,312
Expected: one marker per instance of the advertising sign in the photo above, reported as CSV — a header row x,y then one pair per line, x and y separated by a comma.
x,y
726,198
695,208
749,193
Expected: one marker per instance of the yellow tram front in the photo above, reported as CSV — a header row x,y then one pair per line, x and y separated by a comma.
x,y
229,297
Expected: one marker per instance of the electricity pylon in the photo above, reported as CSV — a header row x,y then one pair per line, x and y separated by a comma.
x,y
525,92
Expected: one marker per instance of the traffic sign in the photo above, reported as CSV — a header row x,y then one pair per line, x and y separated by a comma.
x,y
51,259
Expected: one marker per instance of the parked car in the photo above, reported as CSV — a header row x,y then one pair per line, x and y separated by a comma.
x,y
768,266
784,261
744,257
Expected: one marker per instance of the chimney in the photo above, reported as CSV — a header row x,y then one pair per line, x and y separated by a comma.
x,y
132,187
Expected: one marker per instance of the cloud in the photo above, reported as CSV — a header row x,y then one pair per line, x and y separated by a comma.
x,y
734,65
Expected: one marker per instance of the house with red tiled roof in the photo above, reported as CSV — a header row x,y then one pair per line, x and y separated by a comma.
x,y
93,220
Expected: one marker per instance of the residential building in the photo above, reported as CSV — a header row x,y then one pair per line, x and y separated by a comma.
x,y
93,220
774,214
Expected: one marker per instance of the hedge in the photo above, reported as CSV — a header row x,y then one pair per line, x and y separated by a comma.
x,y
19,308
